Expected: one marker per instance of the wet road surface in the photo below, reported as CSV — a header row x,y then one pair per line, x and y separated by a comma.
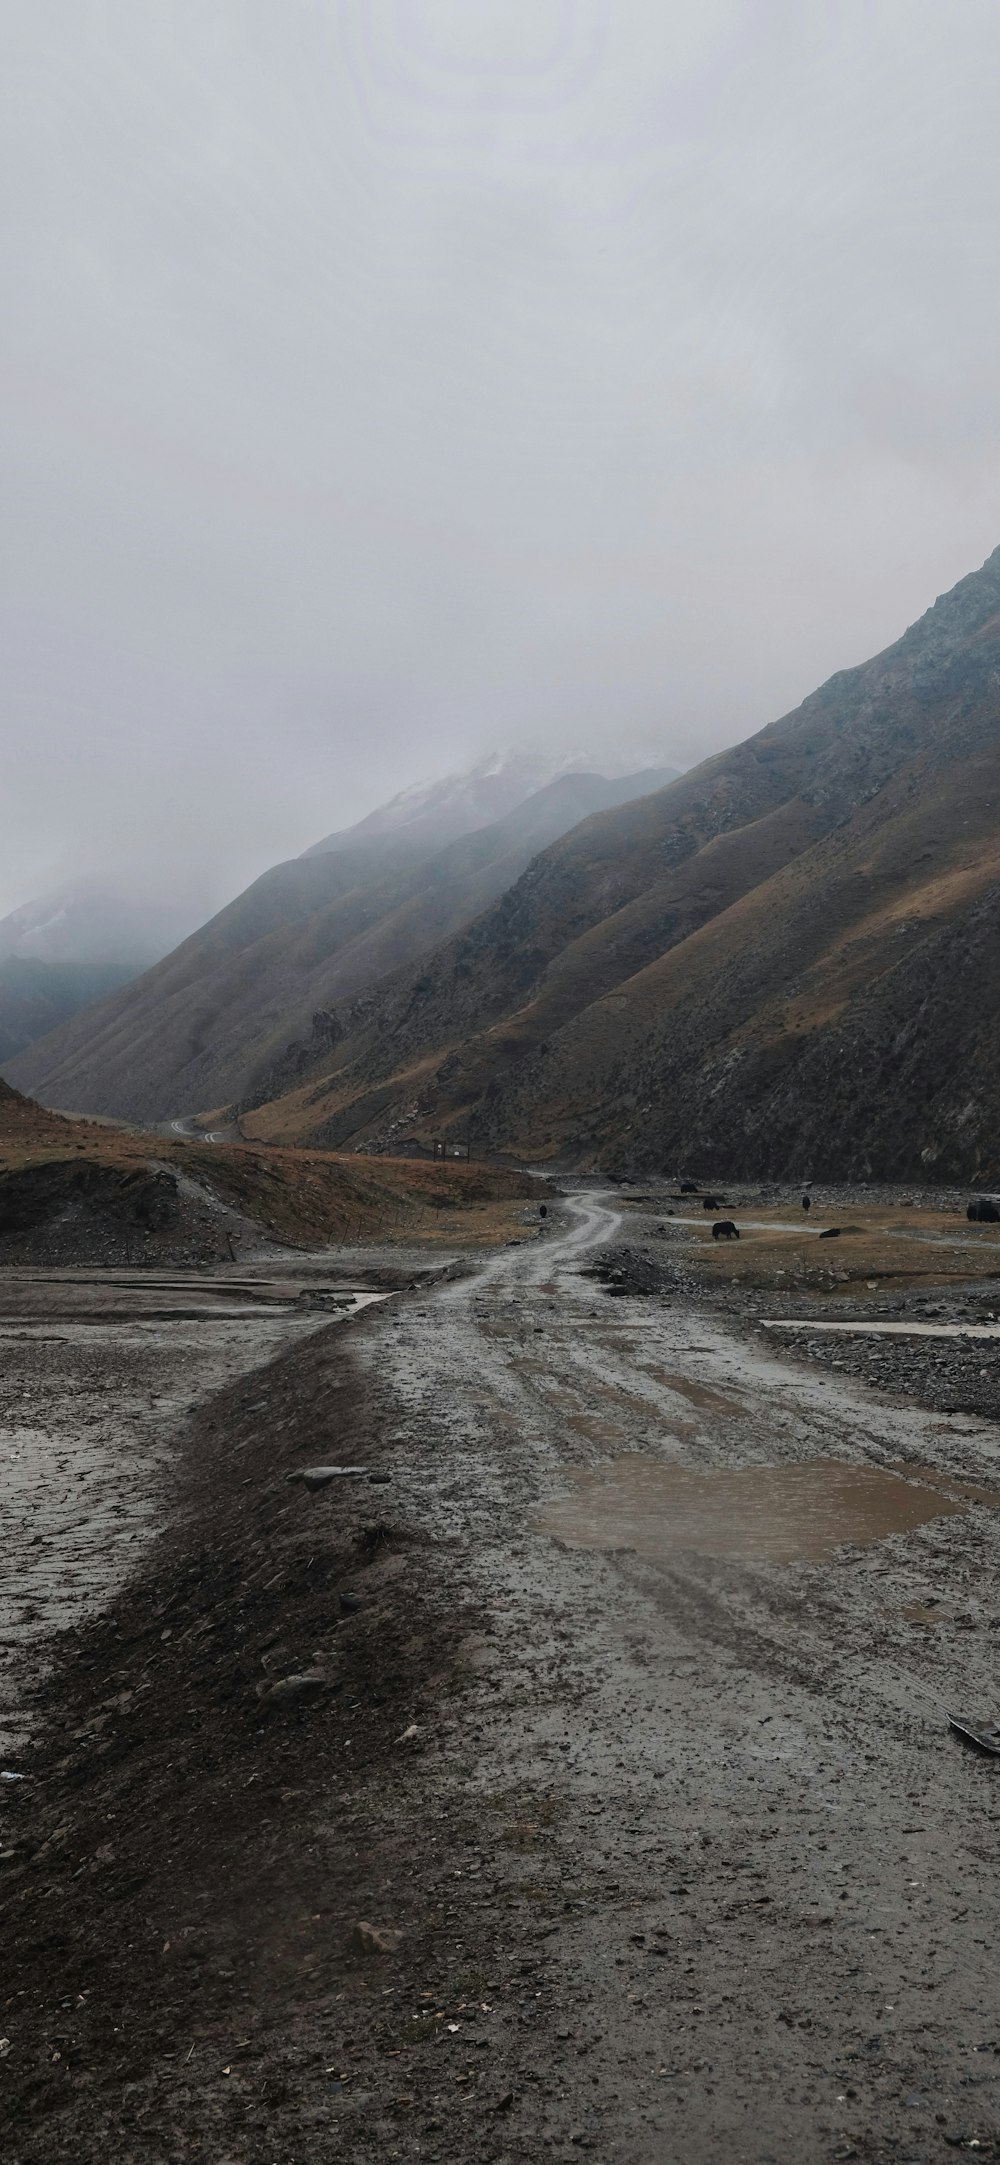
x,y
724,1603
772,1907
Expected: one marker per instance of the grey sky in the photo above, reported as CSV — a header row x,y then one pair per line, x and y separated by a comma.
x,y
387,378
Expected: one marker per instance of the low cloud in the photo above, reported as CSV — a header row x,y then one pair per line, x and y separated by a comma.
x,y
394,377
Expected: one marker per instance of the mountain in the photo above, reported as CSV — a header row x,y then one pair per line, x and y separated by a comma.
x,y
786,961
100,923
36,997
71,947
212,1023
440,811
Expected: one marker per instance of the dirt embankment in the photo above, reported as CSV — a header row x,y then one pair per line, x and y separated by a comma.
x,y
74,1191
201,1844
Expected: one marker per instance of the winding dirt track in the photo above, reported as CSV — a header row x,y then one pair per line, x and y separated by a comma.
x,y
773,1903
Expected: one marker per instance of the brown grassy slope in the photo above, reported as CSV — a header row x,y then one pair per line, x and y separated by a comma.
x,y
314,1197
839,1020
309,1199
163,1044
669,908
796,841
200,1027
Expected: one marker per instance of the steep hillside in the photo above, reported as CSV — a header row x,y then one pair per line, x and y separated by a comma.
x,y
787,960
73,946
217,1016
36,997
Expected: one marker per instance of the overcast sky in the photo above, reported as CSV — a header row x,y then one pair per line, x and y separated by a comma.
x,y
391,378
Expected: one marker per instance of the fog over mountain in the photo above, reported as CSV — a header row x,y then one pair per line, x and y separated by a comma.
x,y
389,379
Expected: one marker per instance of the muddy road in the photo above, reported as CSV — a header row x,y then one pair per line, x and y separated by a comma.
x,y
642,1777
777,1870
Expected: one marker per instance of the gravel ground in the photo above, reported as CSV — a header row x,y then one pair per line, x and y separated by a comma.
x,y
951,1376
98,1370
946,1374
639,1850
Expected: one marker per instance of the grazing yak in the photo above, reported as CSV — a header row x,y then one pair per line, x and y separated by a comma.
x,y
985,1209
724,1229
807,1202
712,1202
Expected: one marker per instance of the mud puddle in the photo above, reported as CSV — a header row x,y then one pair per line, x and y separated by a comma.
x,y
926,1614
957,1486
758,1514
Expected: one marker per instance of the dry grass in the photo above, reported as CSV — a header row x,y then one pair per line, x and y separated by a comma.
x,y
885,1247
310,1198
315,1197
301,1113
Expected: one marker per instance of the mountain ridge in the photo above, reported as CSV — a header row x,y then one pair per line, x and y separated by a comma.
x,y
449,806
622,1001
69,947
96,922
198,1029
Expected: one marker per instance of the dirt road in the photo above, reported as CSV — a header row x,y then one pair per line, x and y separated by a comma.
x,y
775,1876
643,1752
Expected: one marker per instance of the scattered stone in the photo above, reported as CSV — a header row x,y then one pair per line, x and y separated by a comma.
x,y
317,1477
290,1690
374,1939
627,1272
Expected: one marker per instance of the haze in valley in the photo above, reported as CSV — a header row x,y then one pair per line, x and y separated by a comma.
x,y
391,379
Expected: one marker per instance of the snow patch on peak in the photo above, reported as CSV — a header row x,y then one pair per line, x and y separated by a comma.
x,y
439,810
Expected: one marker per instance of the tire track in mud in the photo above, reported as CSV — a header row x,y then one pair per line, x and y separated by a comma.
x,y
784,1720
683,1843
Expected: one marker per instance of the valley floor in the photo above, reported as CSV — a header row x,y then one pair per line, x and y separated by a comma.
x,y
621,1816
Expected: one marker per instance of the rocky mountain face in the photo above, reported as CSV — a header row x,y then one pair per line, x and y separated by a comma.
x,y
213,1022
785,961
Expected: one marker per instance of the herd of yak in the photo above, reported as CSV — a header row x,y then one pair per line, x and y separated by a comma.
x,y
984,1209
